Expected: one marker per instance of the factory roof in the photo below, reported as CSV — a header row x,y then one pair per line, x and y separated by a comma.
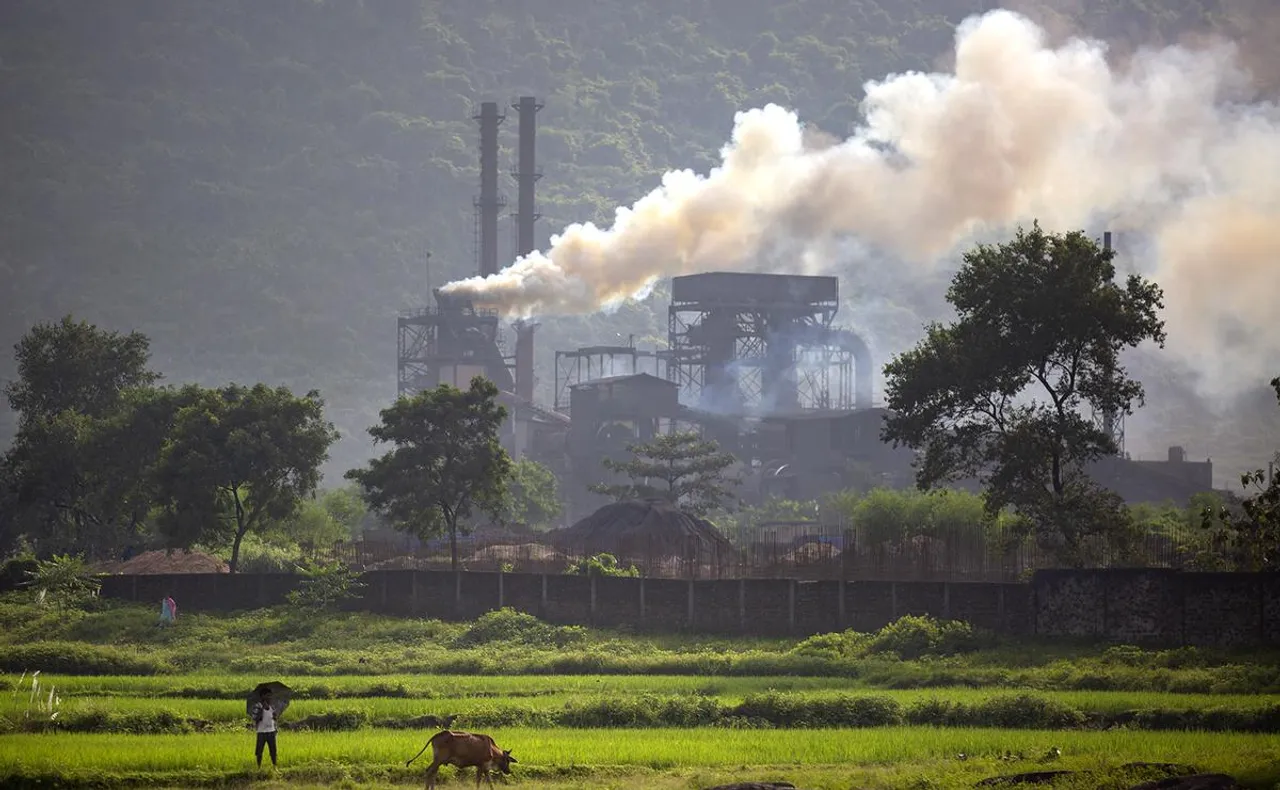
x,y
631,378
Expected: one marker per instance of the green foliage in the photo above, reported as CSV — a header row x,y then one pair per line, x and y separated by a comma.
x,y
681,468
603,564
75,658
327,587
1254,527
76,476
447,461
907,638
64,581
884,516
258,555
913,637
749,519
1037,316
312,524
508,627
789,710
533,496
73,366
834,645
345,507
239,458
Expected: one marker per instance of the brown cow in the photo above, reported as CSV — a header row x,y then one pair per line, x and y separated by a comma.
x,y
464,750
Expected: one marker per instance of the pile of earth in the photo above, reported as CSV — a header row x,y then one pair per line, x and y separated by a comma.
x,y
171,561
641,528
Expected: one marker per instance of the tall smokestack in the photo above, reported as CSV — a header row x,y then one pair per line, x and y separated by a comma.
x,y
526,176
490,203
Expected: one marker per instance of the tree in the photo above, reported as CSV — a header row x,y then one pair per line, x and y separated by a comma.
x,y
748,520
447,461
238,459
91,426
533,495
1254,526
77,367
682,468
999,394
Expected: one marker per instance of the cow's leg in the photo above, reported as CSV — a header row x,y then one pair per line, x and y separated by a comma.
x,y
432,770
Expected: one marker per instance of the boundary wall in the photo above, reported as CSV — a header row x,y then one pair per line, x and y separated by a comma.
x,y
1129,606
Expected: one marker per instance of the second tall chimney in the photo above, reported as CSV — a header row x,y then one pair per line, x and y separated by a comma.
x,y
526,176
489,204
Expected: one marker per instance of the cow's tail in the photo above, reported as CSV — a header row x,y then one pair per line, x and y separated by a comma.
x,y
430,741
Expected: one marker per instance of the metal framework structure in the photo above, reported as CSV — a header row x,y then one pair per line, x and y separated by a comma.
x,y
758,343
430,341
597,362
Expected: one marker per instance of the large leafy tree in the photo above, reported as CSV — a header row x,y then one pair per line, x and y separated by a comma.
x,y
446,462
1006,393
681,467
90,426
238,460
77,367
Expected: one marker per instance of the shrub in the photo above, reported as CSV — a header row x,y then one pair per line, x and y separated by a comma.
x,y
331,721
64,581
73,658
600,565
326,587
16,572
506,625
794,710
838,644
914,637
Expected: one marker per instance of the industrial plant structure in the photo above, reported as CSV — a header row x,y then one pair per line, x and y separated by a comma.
x,y
755,361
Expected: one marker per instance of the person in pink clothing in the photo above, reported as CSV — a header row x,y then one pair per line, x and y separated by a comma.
x,y
168,611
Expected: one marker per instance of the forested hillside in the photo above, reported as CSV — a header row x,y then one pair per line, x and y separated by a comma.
x,y
255,185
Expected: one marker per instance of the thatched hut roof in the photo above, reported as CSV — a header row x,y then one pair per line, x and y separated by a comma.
x,y
641,528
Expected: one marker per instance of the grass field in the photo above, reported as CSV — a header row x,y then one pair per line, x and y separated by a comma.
x,y
589,700
558,754
141,706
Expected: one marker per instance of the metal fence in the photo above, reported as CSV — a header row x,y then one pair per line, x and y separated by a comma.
x,y
803,551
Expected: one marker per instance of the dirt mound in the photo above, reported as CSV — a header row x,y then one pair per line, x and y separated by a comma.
x,y
641,528
167,562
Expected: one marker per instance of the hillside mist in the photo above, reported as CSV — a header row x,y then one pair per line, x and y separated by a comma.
x,y
256,185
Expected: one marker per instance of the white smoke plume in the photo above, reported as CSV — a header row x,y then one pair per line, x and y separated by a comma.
x,y
1172,145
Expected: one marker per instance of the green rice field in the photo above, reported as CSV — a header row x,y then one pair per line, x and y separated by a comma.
x,y
837,711
961,755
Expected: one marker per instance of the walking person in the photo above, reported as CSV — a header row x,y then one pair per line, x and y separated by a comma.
x,y
168,611
264,714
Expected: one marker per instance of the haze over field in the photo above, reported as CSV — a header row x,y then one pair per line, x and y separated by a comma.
x,y
256,185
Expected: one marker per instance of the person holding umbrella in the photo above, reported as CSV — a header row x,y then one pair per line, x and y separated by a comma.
x,y
265,709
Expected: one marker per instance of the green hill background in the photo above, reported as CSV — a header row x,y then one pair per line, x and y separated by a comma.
x,y
255,184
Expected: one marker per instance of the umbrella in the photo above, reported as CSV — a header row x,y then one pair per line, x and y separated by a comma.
x,y
279,696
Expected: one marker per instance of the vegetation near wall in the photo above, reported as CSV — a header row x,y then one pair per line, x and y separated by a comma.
x,y
255,186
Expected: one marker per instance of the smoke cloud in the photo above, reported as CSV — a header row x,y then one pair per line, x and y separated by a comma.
x,y
1172,146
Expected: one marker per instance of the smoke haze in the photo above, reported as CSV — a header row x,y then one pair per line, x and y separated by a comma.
x,y
1172,147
